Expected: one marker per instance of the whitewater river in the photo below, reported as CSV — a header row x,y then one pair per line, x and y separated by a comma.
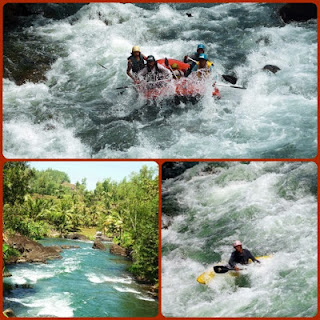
x,y
78,113
85,283
272,208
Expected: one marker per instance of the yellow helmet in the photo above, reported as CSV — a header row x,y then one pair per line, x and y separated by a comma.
x,y
174,66
136,48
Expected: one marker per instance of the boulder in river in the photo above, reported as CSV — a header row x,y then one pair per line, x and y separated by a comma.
x,y
299,12
76,236
98,245
118,250
63,246
31,251
272,68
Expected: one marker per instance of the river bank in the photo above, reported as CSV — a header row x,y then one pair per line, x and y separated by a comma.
x,y
83,282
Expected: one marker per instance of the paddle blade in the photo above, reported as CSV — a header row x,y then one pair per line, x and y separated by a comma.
x,y
229,78
220,269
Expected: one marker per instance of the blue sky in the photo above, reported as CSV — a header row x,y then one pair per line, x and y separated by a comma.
x,y
94,171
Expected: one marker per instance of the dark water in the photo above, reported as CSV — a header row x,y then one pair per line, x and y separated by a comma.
x,y
85,283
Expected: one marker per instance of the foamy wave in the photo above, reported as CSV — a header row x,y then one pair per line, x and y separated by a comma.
x,y
100,279
126,290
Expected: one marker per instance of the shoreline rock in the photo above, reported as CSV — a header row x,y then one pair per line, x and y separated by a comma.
x,y
30,250
76,236
118,250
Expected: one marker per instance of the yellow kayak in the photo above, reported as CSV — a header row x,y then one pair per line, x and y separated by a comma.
x,y
208,275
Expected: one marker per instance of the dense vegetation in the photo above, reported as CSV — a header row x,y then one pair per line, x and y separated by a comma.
x,y
38,202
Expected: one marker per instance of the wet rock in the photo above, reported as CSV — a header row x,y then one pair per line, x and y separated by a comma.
x,y
76,236
99,245
64,247
229,78
102,237
174,169
13,11
272,68
299,12
9,313
118,250
31,251
189,15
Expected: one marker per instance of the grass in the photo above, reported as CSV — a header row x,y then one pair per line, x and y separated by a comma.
x,y
88,232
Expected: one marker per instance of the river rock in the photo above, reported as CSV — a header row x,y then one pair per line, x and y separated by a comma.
x,y
118,250
98,245
272,68
9,313
63,246
76,236
174,169
299,12
31,251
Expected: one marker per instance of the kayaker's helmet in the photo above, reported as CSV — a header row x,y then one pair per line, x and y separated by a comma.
x,y
151,58
201,46
174,66
135,49
237,243
203,56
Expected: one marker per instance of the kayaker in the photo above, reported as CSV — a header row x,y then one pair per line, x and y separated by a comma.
x,y
153,71
240,255
135,63
177,74
195,56
203,67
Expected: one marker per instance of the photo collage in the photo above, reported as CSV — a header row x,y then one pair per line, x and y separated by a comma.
x,y
159,160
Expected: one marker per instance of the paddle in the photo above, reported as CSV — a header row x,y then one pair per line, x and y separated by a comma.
x,y
222,269
228,78
102,66
227,85
166,62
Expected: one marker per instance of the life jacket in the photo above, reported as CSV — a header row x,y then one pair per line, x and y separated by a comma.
x,y
137,65
204,71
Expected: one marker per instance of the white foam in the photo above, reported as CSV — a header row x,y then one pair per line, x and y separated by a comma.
x,y
126,289
101,279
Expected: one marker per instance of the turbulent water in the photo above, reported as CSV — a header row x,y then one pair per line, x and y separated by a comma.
x,y
77,112
85,283
272,208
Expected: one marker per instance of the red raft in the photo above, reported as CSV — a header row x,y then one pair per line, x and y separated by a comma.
x,y
186,88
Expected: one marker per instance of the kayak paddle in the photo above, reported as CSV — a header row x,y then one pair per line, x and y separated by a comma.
x,y
222,269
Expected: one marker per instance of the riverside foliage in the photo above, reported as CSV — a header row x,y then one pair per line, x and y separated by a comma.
x,y
37,202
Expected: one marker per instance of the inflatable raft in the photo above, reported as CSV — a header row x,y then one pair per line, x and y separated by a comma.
x,y
187,88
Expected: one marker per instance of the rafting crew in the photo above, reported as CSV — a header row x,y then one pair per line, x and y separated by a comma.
x,y
203,67
136,62
240,255
194,56
153,71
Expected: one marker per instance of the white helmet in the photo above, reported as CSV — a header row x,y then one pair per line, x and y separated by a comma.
x,y
237,243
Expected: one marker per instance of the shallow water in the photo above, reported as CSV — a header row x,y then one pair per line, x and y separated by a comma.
x,y
272,208
85,283
78,113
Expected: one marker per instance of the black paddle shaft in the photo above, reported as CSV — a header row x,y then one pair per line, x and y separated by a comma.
x,y
221,269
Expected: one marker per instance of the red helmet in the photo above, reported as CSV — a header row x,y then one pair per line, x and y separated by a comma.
x,y
237,243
